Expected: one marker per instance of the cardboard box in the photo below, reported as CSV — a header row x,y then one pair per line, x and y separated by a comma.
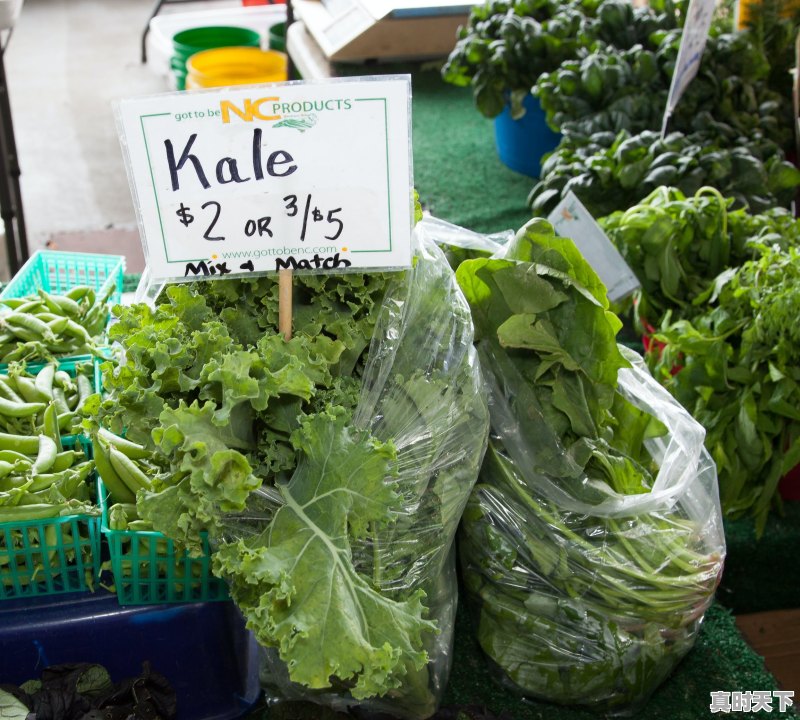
x,y
359,30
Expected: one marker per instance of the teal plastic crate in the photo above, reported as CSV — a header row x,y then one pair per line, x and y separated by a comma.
x,y
68,364
58,272
149,568
48,556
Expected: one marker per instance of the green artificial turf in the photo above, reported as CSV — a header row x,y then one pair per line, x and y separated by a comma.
x,y
763,574
457,172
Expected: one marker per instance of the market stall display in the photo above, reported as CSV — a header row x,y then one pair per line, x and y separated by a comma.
x,y
312,484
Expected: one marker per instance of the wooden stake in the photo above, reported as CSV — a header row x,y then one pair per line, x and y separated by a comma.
x,y
285,303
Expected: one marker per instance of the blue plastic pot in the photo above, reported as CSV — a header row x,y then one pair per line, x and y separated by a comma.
x,y
522,143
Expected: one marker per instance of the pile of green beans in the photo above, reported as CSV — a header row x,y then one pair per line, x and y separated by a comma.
x,y
48,401
41,479
47,326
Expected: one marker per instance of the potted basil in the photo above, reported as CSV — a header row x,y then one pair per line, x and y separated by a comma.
x,y
500,53
508,44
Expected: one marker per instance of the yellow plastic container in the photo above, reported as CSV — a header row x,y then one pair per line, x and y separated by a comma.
x,y
220,67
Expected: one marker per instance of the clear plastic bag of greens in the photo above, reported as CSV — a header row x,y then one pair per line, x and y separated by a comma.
x,y
593,542
346,572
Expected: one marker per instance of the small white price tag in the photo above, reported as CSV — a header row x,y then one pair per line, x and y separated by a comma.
x,y
304,176
690,52
571,219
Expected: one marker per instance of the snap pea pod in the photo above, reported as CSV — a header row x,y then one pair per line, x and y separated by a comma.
x,y
71,478
122,465
44,381
10,456
35,469
10,408
8,392
19,443
45,481
6,468
80,292
126,447
20,513
50,426
60,401
117,489
15,466
63,380
28,390
128,470
46,456
65,459
118,516
60,304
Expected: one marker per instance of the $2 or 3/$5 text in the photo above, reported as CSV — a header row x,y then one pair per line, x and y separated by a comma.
x,y
262,225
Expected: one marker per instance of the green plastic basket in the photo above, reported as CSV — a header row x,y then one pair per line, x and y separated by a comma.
x,y
68,364
71,546
52,555
59,272
149,569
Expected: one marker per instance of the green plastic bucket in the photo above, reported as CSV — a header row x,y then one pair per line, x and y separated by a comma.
x,y
277,37
194,40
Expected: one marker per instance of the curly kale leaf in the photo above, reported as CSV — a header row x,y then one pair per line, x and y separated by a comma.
x,y
296,583
209,475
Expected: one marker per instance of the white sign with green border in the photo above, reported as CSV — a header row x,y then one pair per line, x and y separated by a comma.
x,y
309,176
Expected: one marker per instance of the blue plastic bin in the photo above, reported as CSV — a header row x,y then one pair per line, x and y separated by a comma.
x,y
203,649
522,143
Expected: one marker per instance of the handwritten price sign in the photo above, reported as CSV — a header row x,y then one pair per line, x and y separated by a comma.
x,y
303,176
